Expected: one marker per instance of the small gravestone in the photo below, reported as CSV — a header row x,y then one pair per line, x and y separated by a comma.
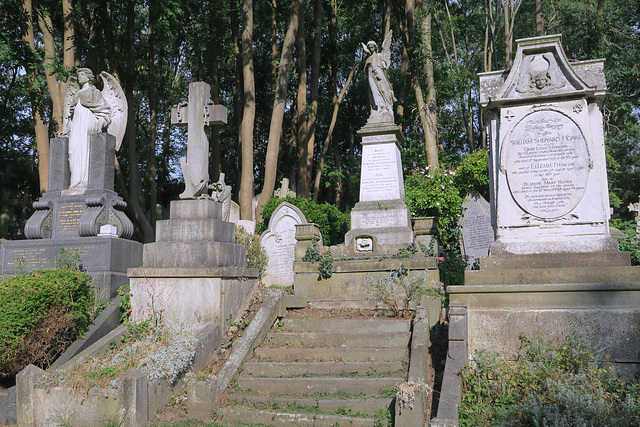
x,y
477,232
279,242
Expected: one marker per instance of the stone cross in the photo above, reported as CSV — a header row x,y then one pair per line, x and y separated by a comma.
x,y
635,207
198,112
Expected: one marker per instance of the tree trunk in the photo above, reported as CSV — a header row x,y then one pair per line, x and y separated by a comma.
x,y
56,90
539,19
37,108
214,140
237,98
275,129
153,116
69,55
430,131
304,165
248,113
130,135
509,10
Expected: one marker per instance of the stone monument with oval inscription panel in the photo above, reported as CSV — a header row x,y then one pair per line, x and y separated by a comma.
x,y
549,183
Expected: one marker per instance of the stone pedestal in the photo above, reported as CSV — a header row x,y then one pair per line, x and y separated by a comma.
x,y
194,274
71,220
381,217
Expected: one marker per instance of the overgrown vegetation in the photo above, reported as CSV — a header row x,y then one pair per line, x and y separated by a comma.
x,y
41,313
256,255
333,223
325,260
386,289
548,385
628,241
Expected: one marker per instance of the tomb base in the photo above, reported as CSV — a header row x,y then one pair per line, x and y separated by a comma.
x,y
593,295
194,274
191,298
106,259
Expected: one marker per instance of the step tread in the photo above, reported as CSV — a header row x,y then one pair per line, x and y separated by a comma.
x,y
339,339
226,415
293,386
331,354
289,369
366,405
341,325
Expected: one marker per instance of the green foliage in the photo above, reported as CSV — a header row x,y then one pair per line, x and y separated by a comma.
x,y
325,260
472,174
452,264
548,385
256,255
628,241
125,304
387,286
432,192
26,299
333,223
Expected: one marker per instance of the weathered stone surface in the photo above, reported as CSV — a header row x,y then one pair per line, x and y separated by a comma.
x,y
105,259
279,242
588,259
199,254
188,302
176,230
549,185
553,275
477,231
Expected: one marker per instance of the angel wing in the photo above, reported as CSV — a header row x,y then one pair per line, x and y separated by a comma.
x,y
365,48
114,95
67,108
386,47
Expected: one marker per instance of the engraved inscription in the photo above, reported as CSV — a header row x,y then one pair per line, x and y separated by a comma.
x,y
477,232
69,216
547,164
380,174
32,257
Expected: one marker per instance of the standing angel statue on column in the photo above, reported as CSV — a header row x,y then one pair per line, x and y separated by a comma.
x,y
381,95
87,111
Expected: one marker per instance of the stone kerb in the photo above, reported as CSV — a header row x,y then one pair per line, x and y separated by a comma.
x,y
279,241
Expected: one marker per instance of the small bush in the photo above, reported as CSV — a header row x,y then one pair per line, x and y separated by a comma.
x,y
256,255
333,223
629,242
548,385
432,192
472,175
41,313
385,289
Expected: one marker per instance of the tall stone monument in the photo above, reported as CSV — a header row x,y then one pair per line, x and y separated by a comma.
x,y
553,270
381,217
194,273
80,212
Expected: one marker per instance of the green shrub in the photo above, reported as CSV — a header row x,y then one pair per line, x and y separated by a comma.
x,y
432,192
45,303
548,385
472,175
628,242
256,255
333,223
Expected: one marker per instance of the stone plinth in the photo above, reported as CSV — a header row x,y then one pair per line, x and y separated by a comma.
x,y
194,274
190,298
72,221
106,259
381,217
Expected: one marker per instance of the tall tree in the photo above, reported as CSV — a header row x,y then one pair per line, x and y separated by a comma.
x,y
277,113
248,113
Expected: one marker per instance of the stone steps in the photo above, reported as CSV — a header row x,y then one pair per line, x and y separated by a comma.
x,y
289,369
321,372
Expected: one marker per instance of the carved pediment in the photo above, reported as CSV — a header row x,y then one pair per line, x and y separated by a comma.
x,y
541,70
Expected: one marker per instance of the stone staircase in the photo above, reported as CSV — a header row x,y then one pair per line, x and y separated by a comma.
x,y
321,371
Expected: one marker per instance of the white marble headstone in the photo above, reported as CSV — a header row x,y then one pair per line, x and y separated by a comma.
x,y
279,242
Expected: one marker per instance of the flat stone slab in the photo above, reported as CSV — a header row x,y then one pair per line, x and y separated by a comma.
x,y
364,406
315,385
352,325
233,416
288,369
339,339
331,354
588,259
553,275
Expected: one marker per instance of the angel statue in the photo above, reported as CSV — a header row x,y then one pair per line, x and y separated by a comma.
x,y
380,92
88,111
